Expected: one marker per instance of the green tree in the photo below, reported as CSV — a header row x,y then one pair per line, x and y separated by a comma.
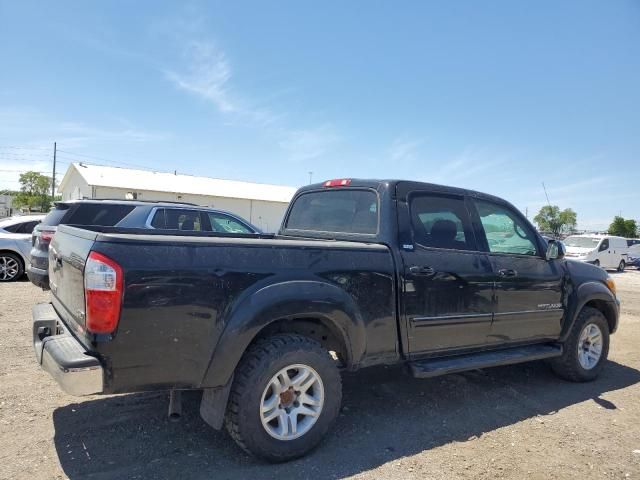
x,y
34,191
623,227
551,219
632,228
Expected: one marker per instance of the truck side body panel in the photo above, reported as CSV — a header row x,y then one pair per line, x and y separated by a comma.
x,y
181,297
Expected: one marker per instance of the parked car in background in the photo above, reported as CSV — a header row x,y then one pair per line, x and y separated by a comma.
x,y
135,214
633,258
606,251
15,235
633,241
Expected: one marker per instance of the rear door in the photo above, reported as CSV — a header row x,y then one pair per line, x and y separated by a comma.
x,y
447,283
529,289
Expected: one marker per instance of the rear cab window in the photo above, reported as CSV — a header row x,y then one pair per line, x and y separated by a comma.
x,y
348,211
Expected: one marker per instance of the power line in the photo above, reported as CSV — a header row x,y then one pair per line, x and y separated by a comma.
x,y
102,159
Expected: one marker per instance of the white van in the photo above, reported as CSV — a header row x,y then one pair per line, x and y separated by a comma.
x,y
605,251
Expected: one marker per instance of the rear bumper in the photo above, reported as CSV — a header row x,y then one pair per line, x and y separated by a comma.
x,y
38,276
63,356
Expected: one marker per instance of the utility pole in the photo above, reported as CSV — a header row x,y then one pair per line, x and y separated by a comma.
x,y
310,177
545,193
53,180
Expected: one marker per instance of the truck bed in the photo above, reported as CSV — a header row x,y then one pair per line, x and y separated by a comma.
x,y
185,292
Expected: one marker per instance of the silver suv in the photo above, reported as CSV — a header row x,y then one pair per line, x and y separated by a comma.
x,y
126,214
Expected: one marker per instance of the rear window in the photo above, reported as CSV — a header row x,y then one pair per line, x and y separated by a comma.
x,y
54,217
104,214
339,211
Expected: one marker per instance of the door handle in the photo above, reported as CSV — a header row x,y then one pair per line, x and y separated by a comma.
x,y
507,272
418,270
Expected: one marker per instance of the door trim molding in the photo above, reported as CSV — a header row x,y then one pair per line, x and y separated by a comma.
x,y
450,319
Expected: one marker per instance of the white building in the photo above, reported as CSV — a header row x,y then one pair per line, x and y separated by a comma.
x,y
6,202
261,204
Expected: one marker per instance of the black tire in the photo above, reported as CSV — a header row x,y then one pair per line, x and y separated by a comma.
x,y
258,365
568,365
621,266
6,257
597,263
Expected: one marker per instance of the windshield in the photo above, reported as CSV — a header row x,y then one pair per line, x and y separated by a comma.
x,y
582,242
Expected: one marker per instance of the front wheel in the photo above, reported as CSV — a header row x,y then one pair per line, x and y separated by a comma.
x,y
621,266
597,263
586,349
286,394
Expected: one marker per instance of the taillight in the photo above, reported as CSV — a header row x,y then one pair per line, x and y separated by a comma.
x,y
103,280
46,236
344,182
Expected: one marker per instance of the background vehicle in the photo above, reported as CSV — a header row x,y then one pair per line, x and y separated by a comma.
x,y
606,251
633,259
127,214
362,273
15,235
633,241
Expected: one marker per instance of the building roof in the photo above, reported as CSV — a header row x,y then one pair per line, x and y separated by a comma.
x,y
136,180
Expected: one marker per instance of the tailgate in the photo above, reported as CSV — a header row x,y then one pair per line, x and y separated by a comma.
x,y
67,256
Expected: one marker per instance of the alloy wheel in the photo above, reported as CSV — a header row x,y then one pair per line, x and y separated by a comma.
x,y
9,268
292,402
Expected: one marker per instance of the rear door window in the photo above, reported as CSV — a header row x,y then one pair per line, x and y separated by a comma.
x,y
335,211
187,220
158,220
27,227
102,214
441,222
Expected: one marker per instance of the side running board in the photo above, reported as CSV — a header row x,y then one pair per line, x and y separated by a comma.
x,y
433,367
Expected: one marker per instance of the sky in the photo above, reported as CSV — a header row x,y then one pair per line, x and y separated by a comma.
x,y
497,96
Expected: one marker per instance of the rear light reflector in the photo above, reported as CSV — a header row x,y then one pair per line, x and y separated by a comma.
x,y
103,280
344,182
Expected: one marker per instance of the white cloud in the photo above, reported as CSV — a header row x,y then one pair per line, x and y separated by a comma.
x,y
206,74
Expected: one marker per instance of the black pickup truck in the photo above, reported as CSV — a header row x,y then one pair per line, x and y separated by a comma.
x,y
361,273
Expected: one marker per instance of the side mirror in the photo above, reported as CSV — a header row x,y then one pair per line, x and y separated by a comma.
x,y
555,250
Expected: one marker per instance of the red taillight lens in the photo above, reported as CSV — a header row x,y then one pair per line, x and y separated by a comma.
x,y
337,183
46,236
103,280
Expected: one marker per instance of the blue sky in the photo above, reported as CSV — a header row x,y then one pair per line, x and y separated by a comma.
x,y
486,95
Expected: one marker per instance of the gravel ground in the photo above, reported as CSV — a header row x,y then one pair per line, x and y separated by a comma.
x,y
507,422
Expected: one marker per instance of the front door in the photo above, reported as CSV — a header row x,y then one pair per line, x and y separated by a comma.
x,y
447,284
529,289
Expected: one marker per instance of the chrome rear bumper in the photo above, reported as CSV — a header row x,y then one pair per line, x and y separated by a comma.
x,y
62,355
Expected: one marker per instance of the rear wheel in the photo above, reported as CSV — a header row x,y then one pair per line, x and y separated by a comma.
x,y
586,349
285,396
621,266
11,268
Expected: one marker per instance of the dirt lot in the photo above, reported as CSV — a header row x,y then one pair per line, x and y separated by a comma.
x,y
508,422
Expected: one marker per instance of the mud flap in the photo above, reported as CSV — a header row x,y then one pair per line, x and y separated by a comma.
x,y
213,405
